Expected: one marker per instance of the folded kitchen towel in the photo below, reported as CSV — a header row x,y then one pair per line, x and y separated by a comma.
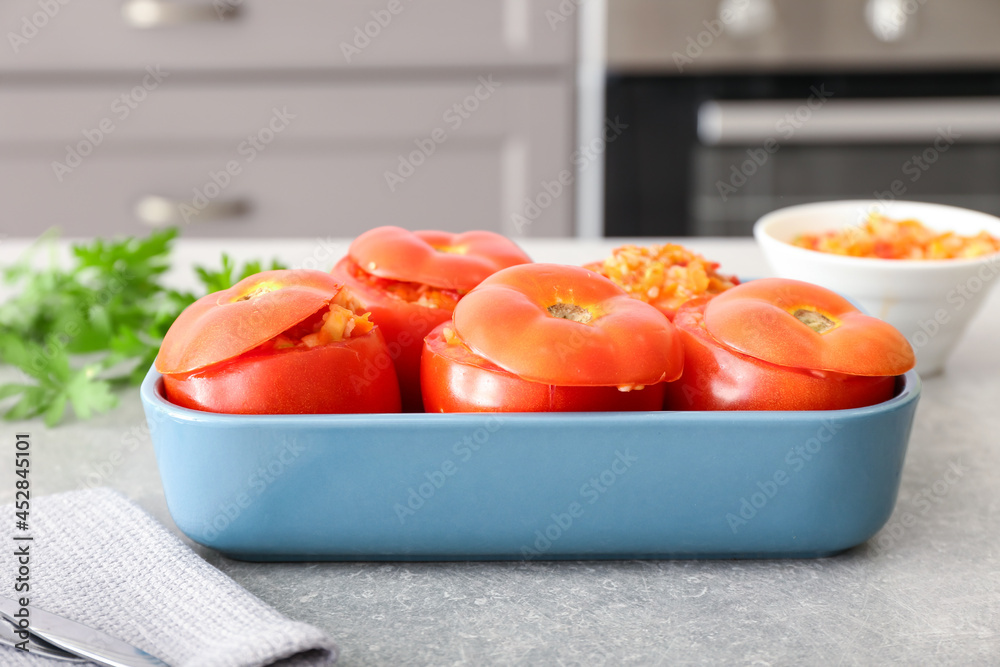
x,y
99,559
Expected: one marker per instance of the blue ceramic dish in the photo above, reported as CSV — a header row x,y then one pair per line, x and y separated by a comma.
x,y
531,486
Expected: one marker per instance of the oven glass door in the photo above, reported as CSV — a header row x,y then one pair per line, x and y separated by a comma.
x,y
709,155
752,158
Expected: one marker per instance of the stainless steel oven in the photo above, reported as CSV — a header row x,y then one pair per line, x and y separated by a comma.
x,y
738,107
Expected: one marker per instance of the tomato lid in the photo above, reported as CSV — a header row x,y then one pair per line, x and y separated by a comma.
x,y
225,324
801,325
566,325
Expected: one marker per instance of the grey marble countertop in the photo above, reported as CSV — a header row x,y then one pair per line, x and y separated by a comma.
x,y
925,590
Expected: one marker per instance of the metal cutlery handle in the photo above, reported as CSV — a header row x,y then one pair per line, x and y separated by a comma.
x,y
9,636
99,648
79,639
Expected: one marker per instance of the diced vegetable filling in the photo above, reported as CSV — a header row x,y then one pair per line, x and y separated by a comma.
x,y
886,238
665,276
337,323
415,293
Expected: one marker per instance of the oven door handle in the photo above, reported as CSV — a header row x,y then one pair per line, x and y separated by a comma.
x,y
821,120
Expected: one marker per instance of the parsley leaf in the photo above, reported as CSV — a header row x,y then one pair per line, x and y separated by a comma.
x,y
229,275
56,383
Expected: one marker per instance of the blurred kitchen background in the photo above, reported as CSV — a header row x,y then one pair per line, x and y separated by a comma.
x,y
543,118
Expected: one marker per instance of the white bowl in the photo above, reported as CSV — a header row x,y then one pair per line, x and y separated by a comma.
x,y
929,301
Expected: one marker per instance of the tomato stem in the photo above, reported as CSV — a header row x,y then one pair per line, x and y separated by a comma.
x,y
261,289
569,311
451,249
818,322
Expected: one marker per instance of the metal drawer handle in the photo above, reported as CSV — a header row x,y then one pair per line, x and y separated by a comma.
x,y
156,211
162,13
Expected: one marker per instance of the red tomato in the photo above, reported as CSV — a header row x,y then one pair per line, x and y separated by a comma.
x,y
566,325
277,342
456,380
717,377
548,337
411,281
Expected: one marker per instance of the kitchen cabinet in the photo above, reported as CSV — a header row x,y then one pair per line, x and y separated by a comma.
x,y
285,117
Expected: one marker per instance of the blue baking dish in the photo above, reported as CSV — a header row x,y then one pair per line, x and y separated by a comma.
x,y
531,486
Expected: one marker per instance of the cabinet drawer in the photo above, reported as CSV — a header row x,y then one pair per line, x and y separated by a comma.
x,y
349,160
267,35
279,194
176,113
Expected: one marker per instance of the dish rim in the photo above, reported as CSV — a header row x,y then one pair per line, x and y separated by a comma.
x,y
909,389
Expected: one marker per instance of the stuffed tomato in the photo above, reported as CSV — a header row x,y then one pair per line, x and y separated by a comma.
x,y
777,344
411,281
547,337
278,342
